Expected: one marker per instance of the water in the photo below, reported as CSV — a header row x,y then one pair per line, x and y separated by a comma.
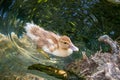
x,y
82,20
17,54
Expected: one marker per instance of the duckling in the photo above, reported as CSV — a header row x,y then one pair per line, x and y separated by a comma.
x,y
50,42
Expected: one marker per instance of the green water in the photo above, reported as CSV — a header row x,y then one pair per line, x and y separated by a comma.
x,y
82,20
17,54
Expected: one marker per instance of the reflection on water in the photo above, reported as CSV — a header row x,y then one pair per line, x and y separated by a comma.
x,y
16,54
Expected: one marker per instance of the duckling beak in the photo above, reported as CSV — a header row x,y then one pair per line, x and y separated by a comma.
x,y
74,48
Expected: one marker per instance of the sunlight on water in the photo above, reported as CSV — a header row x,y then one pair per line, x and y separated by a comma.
x,y
18,53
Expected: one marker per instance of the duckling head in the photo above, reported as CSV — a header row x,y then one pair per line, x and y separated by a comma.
x,y
65,43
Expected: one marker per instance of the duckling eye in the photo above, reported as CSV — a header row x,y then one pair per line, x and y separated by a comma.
x,y
65,42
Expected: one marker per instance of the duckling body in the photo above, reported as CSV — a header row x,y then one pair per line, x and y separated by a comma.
x,y
50,42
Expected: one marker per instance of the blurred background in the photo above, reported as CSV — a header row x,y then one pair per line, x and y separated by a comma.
x,y
82,20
